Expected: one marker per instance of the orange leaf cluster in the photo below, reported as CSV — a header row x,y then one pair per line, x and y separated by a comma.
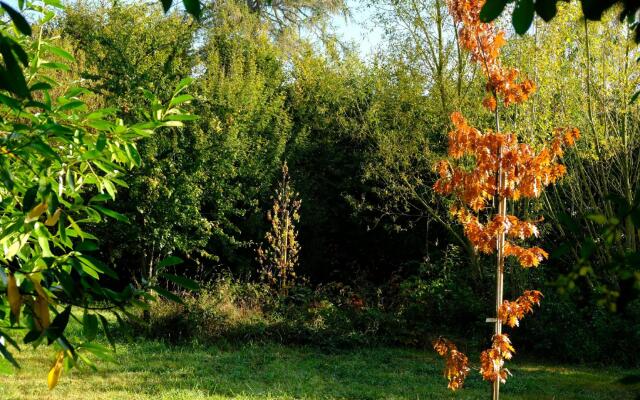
x,y
456,363
483,236
484,41
527,257
524,173
492,360
511,312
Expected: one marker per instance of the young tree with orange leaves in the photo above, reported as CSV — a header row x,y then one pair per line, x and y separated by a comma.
x,y
503,169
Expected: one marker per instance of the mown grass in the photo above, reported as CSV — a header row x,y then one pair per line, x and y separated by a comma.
x,y
149,370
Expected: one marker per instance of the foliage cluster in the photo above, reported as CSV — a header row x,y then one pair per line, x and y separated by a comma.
x,y
61,164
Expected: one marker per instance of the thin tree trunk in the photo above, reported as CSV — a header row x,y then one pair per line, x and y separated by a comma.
x,y
502,211
630,230
441,62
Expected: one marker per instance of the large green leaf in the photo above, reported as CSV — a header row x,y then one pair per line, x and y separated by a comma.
x,y
522,16
11,75
169,261
58,325
166,4
183,84
110,213
29,199
71,105
59,52
492,10
546,9
180,99
18,20
182,281
9,340
44,149
107,331
8,356
193,7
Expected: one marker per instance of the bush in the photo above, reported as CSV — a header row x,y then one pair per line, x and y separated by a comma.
x,y
224,310
407,311
562,331
330,315
404,311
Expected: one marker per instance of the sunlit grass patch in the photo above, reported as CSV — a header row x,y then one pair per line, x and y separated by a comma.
x,y
155,371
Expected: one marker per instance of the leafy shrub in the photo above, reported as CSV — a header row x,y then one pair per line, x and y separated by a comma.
x,y
225,309
404,312
562,331
331,315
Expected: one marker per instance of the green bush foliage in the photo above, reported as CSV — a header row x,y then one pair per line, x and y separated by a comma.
x,y
406,312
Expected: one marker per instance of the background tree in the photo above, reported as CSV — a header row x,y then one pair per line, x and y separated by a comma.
x,y
422,35
285,15
201,190
12,78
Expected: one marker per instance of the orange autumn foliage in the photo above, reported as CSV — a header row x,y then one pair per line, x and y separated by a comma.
x,y
492,360
487,166
525,174
456,363
484,41
511,312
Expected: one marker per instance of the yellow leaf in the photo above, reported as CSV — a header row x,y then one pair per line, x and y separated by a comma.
x,y
52,220
14,297
36,212
13,249
41,313
56,371
41,305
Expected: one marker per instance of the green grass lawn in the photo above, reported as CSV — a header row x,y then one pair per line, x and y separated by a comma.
x,y
159,372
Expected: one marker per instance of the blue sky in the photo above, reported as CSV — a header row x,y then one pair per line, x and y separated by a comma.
x,y
358,28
